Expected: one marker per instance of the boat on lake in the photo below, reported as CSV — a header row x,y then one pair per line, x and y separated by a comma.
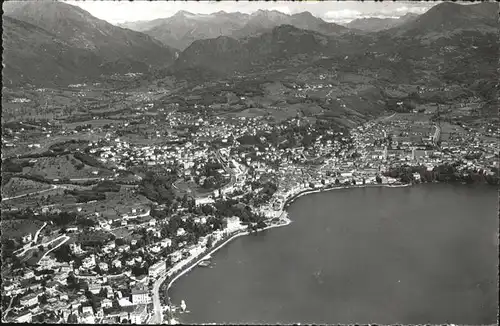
x,y
204,263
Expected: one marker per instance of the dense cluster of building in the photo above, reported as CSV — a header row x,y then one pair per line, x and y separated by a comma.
x,y
113,281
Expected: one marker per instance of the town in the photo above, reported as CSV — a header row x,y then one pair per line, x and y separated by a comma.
x,y
122,209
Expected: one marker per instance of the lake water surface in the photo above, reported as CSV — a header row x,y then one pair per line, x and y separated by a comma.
x,y
422,254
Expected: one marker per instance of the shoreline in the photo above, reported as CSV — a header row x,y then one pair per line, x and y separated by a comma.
x,y
231,238
285,218
318,190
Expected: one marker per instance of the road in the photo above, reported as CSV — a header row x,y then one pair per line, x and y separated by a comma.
x,y
91,179
99,276
8,308
37,233
56,187
42,244
157,317
31,193
386,118
28,245
66,238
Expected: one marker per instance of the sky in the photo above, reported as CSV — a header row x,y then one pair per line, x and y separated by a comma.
x,y
332,11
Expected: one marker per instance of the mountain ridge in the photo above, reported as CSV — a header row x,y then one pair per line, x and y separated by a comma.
x,y
373,24
183,28
112,49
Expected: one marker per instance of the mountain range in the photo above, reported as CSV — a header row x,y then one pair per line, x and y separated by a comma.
x,y
286,43
373,24
67,44
449,17
65,40
182,29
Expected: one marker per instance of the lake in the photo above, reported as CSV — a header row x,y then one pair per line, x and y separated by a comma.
x,y
422,254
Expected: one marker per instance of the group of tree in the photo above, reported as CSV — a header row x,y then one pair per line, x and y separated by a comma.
x,y
84,196
158,188
443,173
10,165
63,253
106,186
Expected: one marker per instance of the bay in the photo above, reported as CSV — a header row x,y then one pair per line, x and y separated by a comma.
x,y
421,254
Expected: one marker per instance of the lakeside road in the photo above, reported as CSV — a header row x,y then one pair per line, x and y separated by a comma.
x,y
157,317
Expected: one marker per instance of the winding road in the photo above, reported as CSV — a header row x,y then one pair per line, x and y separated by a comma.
x,y
65,237
28,246
45,245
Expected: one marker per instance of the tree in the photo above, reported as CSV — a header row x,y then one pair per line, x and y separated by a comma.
x,y
209,242
72,319
71,281
10,244
261,224
43,299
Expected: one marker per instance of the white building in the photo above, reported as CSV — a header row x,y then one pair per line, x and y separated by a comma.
x,y
24,318
76,248
95,288
140,296
139,315
27,238
87,318
203,201
176,256
106,303
103,266
157,269
29,300
166,243
89,262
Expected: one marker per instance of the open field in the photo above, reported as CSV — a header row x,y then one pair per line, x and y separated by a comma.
x,y
417,117
65,166
50,197
95,123
116,204
190,188
45,142
18,186
447,129
13,229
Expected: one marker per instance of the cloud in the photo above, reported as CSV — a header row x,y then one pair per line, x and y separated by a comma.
x,y
333,11
340,15
415,10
